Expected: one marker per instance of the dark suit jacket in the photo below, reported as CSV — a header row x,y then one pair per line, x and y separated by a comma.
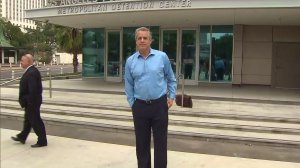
x,y
30,90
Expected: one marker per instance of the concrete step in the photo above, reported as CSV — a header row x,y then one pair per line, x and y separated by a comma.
x,y
202,108
239,135
188,121
266,132
250,137
253,94
210,127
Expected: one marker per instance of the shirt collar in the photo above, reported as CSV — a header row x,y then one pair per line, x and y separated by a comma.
x,y
28,68
151,53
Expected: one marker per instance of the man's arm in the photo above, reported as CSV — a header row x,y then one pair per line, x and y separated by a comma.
x,y
129,83
33,87
171,81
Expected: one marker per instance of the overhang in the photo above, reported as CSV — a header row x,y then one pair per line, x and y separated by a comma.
x,y
173,13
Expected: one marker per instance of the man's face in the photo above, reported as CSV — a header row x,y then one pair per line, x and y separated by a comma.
x,y
25,62
143,40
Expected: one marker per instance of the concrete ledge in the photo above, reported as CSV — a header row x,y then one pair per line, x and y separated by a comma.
x,y
208,144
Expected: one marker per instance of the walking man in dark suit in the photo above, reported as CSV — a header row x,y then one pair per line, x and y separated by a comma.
x,y
30,98
150,86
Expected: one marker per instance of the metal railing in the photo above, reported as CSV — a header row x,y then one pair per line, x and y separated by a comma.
x,y
18,78
46,75
10,81
181,76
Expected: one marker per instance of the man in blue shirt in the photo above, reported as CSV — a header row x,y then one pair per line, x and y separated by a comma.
x,y
150,86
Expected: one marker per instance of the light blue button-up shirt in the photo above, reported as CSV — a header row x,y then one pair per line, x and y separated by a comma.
x,y
149,78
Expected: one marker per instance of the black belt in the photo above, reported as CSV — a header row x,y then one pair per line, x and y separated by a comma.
x,y
151,101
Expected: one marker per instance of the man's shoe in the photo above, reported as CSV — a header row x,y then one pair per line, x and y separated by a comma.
x,y
38,145
18,139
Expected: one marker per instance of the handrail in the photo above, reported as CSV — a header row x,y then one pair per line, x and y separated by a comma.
x,y
50,84
10,81
49,76
46,77
181,76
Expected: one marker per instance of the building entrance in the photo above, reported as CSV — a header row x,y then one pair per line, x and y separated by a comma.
x,y
180,46
113,56
201,54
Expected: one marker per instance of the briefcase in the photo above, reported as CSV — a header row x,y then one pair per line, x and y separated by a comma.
x,y
187,100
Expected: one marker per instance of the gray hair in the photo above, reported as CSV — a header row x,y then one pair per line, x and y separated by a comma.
x,y
143,29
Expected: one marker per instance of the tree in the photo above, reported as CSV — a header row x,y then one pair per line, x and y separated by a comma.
x,y
70,40
42,41
45,39
14,34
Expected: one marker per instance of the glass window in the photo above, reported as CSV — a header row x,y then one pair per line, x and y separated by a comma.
x,y
204,60
221,53
128,43
170,46
113,53
216,44
155,36
93,53
188,54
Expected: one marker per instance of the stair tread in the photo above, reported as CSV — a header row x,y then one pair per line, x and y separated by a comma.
x,y
208,106
174,128
187,119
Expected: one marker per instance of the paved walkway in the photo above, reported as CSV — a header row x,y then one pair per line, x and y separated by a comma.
x,y
216,91
72,153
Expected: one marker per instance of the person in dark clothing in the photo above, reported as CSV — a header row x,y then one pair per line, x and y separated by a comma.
x,y
30,98
220,68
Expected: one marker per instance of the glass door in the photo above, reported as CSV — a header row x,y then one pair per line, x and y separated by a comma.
x,y
170,47
189,62
113,56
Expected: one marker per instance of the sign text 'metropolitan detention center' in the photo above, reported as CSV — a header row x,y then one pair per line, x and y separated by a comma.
x,y
122,6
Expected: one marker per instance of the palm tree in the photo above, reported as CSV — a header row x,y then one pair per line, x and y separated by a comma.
x,y
69,40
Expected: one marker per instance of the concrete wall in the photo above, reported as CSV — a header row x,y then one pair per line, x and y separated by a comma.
x,y
253,51
257,55
65,58
286,34
237,57
253,55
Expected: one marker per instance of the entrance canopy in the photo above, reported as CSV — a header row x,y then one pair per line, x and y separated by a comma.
x,y
173,13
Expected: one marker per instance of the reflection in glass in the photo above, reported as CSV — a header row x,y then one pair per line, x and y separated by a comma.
x,y
129,46
221,54
93,53
155,37
188,51
113,53
216,53
204,61
170,46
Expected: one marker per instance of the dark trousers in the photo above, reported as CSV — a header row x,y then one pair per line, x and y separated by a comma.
x,y
32,119
151,116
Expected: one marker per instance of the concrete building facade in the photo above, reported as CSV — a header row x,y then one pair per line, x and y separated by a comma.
x,y
225,41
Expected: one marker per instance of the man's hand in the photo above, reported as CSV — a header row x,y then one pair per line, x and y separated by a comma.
x,y
170,102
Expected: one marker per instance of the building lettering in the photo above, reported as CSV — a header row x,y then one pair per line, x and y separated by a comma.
x,y
118,6
132,6
82,9
72,2
175,4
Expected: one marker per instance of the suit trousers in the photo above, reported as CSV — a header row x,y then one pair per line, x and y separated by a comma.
x,y
32,119
149,116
